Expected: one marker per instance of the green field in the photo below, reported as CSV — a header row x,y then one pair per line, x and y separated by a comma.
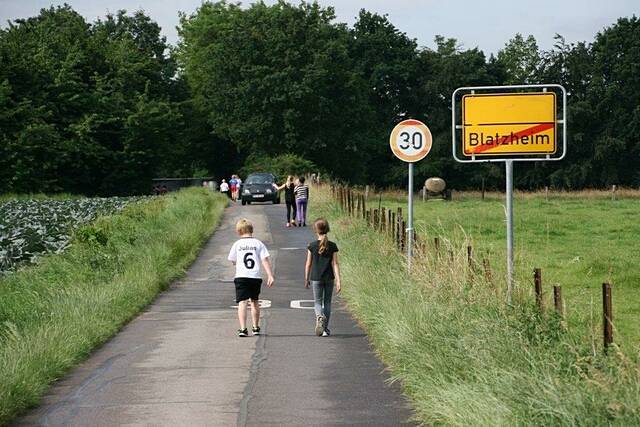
x,y
579,241
461,354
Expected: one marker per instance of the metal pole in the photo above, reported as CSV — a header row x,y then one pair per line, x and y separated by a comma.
x,y
410,225
509,171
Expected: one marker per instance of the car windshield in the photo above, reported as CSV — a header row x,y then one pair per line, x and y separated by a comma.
x,y
260,179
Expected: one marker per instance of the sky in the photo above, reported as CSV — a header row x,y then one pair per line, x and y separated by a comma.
x,y
487,24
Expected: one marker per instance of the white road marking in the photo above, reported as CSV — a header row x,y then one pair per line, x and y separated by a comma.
x,y
290,249
304,304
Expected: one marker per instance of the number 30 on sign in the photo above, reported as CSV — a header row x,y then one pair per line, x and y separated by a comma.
x,y
410,140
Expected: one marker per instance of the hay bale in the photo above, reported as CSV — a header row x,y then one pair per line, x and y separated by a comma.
x,y
435,185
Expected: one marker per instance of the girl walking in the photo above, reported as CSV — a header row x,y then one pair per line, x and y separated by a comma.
x,y
302,197
321,271
289,199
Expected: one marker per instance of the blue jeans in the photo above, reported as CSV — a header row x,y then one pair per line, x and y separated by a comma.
x,y
322,292
301,215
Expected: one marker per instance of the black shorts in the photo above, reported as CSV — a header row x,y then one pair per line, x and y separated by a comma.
x,y
247,288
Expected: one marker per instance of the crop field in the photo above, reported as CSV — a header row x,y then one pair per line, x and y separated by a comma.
x,y
30,228
578,240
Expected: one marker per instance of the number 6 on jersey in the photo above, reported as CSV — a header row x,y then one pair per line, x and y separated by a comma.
x,y
248,261
410,140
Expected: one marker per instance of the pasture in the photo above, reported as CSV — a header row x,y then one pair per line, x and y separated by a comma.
x,y
579,240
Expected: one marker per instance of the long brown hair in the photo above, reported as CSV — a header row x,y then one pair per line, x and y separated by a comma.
x,y
321,226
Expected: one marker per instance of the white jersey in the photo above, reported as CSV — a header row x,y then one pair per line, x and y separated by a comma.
x,y
224,187
248,253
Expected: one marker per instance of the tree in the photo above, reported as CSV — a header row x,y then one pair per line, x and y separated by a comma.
x,y
521,59
387,61
278,79
79,100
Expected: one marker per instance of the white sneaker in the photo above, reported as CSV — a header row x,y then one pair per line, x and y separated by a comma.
x,y
320,322
325,334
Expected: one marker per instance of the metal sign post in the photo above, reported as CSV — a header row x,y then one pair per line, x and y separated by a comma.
x,y
509,173
410,220
410,141
509,124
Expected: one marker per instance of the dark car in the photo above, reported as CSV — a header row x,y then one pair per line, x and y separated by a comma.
x,y
258,187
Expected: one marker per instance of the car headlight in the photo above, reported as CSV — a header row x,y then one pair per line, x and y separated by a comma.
x,y
268,191
246,191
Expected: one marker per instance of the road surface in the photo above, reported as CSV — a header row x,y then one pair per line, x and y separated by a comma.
x,y
180,363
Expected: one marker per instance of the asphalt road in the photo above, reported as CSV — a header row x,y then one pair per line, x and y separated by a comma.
x,y
180,362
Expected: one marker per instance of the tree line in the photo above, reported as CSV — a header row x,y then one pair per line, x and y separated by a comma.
x,y
103,107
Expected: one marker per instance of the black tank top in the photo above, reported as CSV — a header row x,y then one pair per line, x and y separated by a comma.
x,y
289,194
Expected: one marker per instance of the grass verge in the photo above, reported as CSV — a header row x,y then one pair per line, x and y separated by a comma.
x,y
463,357
53,315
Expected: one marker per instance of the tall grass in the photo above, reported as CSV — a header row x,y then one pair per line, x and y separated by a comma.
x,y
462,355
579,243
53,315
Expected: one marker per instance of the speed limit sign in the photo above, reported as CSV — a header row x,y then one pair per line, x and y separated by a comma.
x,y
410,140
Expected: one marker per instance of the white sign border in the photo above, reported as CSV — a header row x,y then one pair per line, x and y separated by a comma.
x,y
456,127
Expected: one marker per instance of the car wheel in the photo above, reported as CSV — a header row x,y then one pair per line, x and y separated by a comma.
x,y
244,202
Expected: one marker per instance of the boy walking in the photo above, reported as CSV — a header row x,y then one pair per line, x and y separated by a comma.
x,y
247,254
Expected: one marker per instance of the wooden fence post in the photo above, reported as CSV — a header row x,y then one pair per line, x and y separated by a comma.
x,y
346,200
436,243
400,229
614,188
487,270
470,256
607,309
537,280
355,203
557,300
383,220
364,205
483,188
393,225
352,202
403,239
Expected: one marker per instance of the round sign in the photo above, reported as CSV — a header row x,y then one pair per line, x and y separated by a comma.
x,y
410,140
